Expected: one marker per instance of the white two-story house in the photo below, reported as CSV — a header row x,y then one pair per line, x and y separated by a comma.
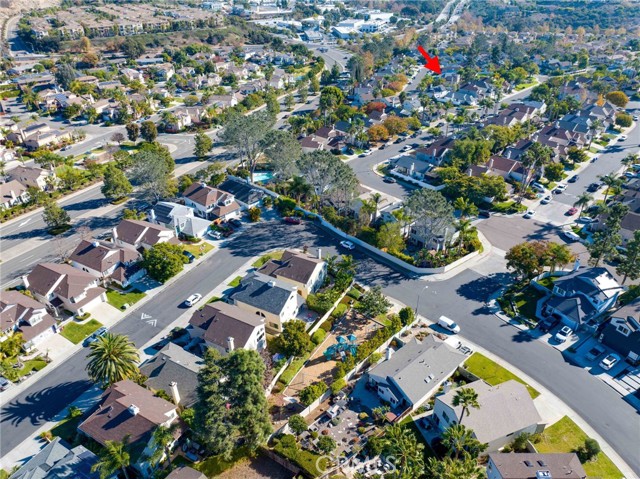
x,y
211,203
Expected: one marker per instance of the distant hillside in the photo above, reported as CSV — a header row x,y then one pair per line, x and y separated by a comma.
x,y
11,7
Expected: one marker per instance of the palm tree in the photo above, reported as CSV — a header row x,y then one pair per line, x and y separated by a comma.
x,y
593,129
558,255
535,158
403,445
367,209
115,456
163,438
30,98
113,358
456,438
376,198
464,231
299,187
611,181
630,159
583,200
403,218
465,207
467,398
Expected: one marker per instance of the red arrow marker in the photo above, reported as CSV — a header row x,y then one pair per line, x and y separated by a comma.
x,y
432,64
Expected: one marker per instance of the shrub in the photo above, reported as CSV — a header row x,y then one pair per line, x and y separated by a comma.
x,y
375,357
338,386
288,441
254,214
322,302
285,205
589,450
339,310
318,336
312,392
406,315
401,256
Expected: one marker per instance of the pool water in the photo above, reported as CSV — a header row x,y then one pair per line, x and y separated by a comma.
x,y
262,176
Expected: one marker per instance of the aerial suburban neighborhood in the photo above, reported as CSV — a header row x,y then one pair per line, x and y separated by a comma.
x,y
286,239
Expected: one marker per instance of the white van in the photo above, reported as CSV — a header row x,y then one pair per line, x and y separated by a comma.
x,y
570,235
448,324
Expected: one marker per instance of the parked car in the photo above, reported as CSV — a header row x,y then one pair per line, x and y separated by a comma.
x,y
546,200
389,179
586,220
570,235
193,299
573,179
214,234
235,222
97,334
538,186
610,361
559,189
484,214
191,257
593,187
595,352
448,324
564,334
406,148
292,220
347,245
548,324
622,138
4,383
529,214
572,211
65,148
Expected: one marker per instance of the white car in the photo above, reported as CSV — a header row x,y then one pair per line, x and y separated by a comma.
x,y
193,299
610,361
347,245
560,187
214,234
546,200
529,214
570,235
622,138
564,334
406,148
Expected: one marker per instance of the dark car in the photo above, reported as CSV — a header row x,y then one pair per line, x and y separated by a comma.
x,y
389,179
593,187
484,214
189,256
292,220
4,383
399,140
235,223
573,179
383,147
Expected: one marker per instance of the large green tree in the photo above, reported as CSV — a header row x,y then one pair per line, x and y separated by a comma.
x,y
112,358
373,302
460,441
294,340
432,214
282,151
54,216
148,131
116,185
629,266
163,261
203,145
133,131
152,171
401,443
232,406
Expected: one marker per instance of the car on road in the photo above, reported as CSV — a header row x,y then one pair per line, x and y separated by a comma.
x,y
382,147
573,179
292,220
214,234
559,189
406,148
630,174
572,211
484,214
570,235
529,214
635,117
399,140
610,361
564,334
389,179
448,324
622,138
193,299
4,383
235,222
347,245
97,334
65,148
586,220
546,200
593,187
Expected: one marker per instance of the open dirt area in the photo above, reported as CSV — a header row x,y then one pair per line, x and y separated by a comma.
x,y
10,7
257,468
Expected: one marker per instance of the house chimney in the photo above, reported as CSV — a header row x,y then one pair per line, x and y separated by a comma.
x,y
389,353
230,344
152,215
271,284
319,253
114,233
134,410
25,281
175,394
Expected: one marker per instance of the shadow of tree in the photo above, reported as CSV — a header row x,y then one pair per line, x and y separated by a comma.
x,y
481,288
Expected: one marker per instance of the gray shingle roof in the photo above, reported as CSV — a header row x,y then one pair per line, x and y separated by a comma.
x,y
220,321
525,465
58,461
263,292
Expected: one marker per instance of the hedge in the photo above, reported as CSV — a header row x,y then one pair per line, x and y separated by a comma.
x,y
318,336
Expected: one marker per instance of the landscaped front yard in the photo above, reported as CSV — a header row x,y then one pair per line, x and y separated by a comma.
x,y
119,298
566,436
235,281
76,332
266,258
525,302
198,249
493,373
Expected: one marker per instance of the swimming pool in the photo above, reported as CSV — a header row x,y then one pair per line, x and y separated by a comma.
x,y
262,176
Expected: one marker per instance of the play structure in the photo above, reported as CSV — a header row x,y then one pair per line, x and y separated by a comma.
x,y
343,346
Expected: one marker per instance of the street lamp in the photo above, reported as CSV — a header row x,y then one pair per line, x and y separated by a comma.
x,y
418,301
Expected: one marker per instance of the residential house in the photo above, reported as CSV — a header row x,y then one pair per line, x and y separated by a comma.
x,y
243,192
129,410
21,314
528,465
142,234
33,177
12,193
622,332
164,71
300,269
310,144
362,96
179,120
108,261
174,371
269,298
61,286
223,101
19,135
132,75
630,223
437,152
410,165
506,410
414,373
211,203
180,218
582,296
225,327
49,138
57,460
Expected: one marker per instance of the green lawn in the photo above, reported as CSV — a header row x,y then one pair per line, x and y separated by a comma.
x,y
493,373
566,436
526,302
35,364
213,299
522,86
548,282
266,258
67,428
216,465
76,332
118,298
199,249
235,281
307,460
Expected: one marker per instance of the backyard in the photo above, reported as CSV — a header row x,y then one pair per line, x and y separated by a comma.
x,y
566,436
493,373
76,332
118,299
